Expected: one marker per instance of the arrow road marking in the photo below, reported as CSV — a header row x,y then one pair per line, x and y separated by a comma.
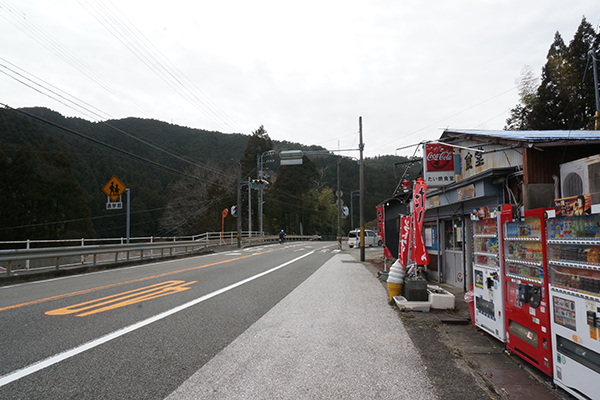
x,y
123,299
40,365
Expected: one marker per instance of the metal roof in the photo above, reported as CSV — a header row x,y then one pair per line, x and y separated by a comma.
x,y
538,137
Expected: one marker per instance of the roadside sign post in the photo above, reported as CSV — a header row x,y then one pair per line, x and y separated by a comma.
x,y
114,189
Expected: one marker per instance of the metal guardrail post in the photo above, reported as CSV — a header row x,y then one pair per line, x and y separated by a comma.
x,y
27,261
82,256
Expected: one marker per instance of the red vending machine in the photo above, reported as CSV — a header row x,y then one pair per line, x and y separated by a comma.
x,y
487,274
574,263
527,309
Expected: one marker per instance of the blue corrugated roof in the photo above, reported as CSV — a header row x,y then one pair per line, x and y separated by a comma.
x,y
531,136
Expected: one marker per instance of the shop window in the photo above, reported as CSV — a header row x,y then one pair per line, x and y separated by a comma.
x,y
453,235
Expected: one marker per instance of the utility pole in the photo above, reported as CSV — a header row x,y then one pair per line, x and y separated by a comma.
x,y
239,206
593,54
361,188
128,222
249,207
339,205
259,208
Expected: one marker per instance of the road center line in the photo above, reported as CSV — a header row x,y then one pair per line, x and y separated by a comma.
x,y
38,366
63,296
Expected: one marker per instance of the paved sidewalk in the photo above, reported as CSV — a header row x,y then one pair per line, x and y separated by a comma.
x,y
462,361
333,337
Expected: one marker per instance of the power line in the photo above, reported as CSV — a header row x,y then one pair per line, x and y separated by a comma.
x,y
21,21
68,100
101,143
141,47
444,119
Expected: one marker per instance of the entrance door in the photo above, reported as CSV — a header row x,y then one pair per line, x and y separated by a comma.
x,y
453,253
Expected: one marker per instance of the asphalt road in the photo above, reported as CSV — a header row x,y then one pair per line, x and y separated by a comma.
x,y
140,332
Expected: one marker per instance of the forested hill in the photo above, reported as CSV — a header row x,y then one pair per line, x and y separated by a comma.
x,y
53,169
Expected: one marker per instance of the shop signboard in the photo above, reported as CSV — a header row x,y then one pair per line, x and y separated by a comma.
x,y
439,164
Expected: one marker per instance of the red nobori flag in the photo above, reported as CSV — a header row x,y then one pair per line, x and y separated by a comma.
x,y
404,240
419,253
381,226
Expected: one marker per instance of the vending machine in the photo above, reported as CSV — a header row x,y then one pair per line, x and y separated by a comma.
x,y
573,244
527,312
487,275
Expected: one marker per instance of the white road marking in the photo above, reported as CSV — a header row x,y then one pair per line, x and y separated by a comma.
x,y
38,366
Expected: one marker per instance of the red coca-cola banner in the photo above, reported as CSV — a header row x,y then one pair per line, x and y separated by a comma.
x,y
381,226
404,240
419,253
439,164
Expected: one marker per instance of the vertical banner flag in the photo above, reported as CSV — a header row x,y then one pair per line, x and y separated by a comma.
x,y
404,240
381,227
419,253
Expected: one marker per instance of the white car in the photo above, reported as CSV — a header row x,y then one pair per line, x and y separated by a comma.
x,y
371,238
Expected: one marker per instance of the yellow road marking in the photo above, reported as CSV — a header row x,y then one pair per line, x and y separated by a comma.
x,y
123,299
66,295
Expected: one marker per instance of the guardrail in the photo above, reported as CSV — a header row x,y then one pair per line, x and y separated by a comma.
x,y
23,261
257,240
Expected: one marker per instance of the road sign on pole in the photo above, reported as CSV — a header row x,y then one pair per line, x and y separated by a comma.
x,y
114,188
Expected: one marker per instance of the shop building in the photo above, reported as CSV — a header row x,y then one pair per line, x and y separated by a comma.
x,y
488,170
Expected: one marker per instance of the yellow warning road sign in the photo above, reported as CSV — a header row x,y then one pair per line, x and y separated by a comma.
x,y
114,188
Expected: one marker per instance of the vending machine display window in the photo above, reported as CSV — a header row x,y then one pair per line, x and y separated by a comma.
x,y
573,244
527,310
487,274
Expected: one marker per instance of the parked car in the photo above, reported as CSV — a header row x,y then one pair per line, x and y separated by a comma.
x,y
371,238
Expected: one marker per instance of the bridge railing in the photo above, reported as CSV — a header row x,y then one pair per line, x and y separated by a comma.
x,y
28,256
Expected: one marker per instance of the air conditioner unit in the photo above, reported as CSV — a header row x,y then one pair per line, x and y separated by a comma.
x,y
581,177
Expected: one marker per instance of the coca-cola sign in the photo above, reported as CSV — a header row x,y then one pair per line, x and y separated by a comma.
x,y
439,165
439,157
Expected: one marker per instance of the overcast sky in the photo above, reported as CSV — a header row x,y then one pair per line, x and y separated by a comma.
x,y
305,70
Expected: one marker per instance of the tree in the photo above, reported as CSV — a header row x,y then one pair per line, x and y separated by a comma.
x,y
294,199
259,143
197,201
565,97
41,198
527,85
